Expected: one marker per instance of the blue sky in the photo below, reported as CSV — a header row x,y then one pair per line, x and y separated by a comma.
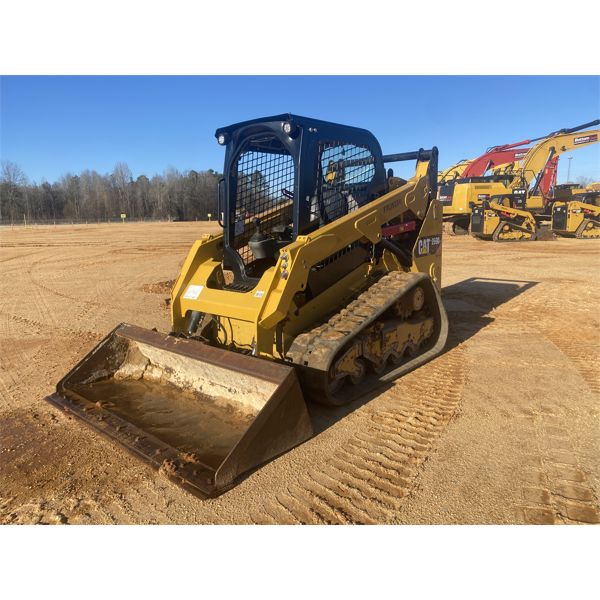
x,y
57,124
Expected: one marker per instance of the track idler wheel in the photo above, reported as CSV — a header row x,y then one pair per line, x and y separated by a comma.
x,y
377,367
361,371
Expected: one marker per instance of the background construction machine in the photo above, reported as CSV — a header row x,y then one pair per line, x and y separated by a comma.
x,y
576,210
324,284
514,214
453,172
489,174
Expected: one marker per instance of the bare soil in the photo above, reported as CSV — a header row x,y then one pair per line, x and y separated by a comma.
x,y
502,428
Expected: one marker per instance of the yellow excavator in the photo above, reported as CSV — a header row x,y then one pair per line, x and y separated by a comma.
x,y
447,177
513,214
453,172
324,284
576,211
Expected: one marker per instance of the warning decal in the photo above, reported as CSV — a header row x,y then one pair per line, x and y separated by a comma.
x,y
193,292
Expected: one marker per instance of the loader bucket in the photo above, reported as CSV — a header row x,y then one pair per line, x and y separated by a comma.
x,y
202,415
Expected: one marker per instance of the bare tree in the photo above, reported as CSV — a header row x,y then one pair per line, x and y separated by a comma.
x,y
122,179
12,184
583,181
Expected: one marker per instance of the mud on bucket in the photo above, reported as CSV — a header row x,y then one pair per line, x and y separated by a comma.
x,y
202,415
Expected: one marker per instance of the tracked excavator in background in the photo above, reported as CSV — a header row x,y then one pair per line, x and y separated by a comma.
x,y
515,213
484,176
324,284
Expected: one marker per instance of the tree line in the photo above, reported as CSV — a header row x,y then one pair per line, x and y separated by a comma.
x,y
90,196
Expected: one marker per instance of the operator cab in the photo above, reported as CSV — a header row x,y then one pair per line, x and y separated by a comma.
x,y
286,176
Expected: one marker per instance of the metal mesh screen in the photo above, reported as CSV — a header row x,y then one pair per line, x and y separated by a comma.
x,y
346,171
265,190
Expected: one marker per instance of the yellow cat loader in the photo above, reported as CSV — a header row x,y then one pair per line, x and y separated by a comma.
x,y
503,223
324,284
576,211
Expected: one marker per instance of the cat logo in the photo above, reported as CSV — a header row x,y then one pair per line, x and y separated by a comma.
x,y
428,245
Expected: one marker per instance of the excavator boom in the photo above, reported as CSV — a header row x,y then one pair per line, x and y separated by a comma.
x,y
454,172
493,159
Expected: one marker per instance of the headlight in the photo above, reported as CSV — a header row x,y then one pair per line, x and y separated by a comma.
x,y
289,128
222,139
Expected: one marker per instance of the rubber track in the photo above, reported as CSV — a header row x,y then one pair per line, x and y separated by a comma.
x,y
596,229
496,234
318,347
350,320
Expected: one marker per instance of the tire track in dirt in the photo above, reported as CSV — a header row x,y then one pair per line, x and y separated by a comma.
x,y
20,361
18,354
17,364
38,326
557,487
140,491
557,299
104,287
585,357
548,494
88,305
49,244
88,310
367,477
17,257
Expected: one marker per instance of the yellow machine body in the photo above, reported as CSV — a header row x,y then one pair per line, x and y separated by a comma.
x,y
267,318
467,195
501,223
576,219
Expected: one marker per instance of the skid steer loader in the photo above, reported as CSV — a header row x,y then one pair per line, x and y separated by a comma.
x,y
576,211
324,284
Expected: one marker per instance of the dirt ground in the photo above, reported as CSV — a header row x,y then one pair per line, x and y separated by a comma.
x,y
502,428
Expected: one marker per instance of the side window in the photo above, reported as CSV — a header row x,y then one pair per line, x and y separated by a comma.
x,y
264,194
345,173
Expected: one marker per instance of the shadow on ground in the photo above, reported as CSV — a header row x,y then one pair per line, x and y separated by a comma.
x,y
468,304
